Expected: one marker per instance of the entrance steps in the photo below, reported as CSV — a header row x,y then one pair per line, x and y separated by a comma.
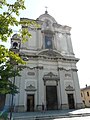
x,y
50,115
34,118
47,115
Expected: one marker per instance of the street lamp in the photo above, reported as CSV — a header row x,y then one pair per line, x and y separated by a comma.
x,y
11,109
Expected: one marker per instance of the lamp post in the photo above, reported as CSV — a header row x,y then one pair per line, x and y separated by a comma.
x,y
11,109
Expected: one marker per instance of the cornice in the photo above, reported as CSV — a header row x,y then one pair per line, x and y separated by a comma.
x,y
31,68
47,58
71,69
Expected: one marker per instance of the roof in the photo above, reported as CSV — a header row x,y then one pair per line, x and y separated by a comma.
x,y
87,87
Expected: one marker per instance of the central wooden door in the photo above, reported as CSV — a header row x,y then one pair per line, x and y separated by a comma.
x,y
51,98
30,103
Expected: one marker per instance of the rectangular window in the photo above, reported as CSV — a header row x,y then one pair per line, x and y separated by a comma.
x,y
87,93
81,95
48,42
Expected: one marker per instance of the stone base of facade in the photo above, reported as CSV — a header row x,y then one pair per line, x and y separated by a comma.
x,y
79,105
64,106
20,108
39,108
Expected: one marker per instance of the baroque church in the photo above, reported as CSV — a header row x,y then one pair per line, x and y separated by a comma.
x,y
50,75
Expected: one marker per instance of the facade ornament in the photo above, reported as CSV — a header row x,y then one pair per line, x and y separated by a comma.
x,y
69,88
50,53
51,76
74,69
30,88
39,67
71,69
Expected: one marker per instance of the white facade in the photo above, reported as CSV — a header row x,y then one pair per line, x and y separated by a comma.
x,y
50,75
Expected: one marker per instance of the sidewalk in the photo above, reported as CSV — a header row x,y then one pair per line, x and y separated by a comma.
x,y
51,114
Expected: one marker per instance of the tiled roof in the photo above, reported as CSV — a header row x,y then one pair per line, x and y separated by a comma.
x,y
87,87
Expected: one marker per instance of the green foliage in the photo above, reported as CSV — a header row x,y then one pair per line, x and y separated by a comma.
x,y
7,18
8,70
9,59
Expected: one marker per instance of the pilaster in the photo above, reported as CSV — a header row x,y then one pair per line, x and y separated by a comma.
x,y
77,89
64,104
40,86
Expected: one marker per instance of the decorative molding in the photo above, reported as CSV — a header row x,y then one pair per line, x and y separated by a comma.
x,y
50,53
51,76
67,75
61,68
30,88
72,69
31,73
48,32
37,67
69,88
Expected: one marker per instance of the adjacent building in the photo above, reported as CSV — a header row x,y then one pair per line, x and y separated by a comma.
x,y
85,95
50,76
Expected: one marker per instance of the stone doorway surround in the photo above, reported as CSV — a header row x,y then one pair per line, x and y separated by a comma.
x,y
51,79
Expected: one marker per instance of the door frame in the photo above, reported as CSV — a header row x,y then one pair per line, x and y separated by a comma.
x,y
73,101
33,101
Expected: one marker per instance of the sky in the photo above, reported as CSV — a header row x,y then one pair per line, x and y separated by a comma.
x,y
73,13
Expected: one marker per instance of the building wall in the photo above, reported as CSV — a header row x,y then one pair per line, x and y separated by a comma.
x,y
85,95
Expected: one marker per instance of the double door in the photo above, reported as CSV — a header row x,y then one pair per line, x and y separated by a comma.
x,y
51,98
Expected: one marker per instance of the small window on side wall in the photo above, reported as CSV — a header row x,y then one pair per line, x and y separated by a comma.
x,y
81,95
87,93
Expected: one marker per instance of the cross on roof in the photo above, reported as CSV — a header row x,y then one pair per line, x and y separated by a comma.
x,y
46,9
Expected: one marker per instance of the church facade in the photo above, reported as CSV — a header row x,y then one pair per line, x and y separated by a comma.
x,y
50,76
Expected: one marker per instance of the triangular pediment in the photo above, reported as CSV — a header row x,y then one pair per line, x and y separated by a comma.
x,y
50,53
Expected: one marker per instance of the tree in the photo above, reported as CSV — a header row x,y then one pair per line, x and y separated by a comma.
x,y
6,68
7,20
8,71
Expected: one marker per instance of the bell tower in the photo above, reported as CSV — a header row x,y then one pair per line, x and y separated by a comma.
x,y
15,43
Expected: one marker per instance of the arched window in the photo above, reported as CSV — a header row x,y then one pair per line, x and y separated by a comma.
x,y
15,45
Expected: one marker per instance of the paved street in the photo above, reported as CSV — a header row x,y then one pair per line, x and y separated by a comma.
x,y
84,114
75,118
